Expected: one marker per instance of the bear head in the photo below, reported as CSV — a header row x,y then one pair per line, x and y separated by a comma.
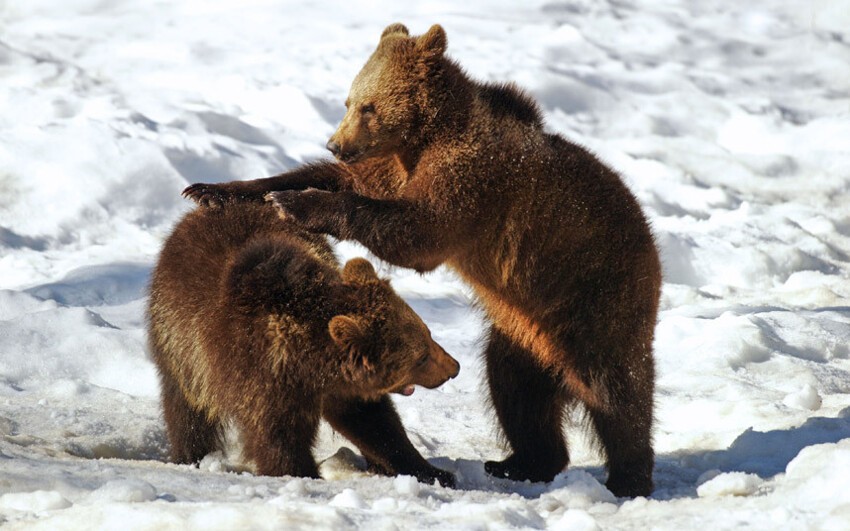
x,y
387,348
388,103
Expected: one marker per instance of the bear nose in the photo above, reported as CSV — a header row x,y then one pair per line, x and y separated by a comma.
x,y
333,147
455,368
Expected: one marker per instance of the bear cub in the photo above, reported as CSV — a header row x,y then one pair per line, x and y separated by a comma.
x,y
250,320
434,167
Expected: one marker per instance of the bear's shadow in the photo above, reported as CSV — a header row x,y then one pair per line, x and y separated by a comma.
x,y
765,454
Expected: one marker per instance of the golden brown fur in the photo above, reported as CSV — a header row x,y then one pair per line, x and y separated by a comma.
x,y
437,168
250,320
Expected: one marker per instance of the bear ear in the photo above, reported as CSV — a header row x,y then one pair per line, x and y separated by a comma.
x,y
433,43
359,270
349,333
395,28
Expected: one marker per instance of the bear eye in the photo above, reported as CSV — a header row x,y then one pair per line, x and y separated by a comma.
x,y
367,109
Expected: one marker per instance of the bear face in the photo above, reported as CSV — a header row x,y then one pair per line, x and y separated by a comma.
x,y
383,113
389,348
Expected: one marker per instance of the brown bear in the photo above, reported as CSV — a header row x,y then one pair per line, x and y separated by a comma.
x,y
436,168
250,320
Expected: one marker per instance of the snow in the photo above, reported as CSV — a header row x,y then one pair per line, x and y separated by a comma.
x,y
728,120
36,501
729,484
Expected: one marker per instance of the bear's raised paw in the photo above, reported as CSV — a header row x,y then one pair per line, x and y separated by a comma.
x,y
207,195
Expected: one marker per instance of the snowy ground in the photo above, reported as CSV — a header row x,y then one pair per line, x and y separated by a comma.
x,y
730,121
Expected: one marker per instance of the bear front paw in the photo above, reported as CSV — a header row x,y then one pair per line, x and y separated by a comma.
x,y
429,474
207,195
498,469
517,470
445,478
286,203
314,210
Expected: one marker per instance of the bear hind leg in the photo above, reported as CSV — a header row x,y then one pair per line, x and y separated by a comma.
x,y
530,406
191,434
624,428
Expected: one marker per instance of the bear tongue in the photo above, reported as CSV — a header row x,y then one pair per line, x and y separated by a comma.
x,y
408,390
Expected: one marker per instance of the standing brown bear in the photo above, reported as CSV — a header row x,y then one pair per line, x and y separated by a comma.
x,y
437,168
250,320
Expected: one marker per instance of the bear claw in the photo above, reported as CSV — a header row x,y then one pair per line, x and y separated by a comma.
x,y
510,469
446,479
208,195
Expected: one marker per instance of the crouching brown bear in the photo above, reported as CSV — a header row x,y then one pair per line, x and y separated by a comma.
x,y
436,168
250,320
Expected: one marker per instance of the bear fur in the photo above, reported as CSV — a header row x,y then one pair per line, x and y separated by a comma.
x,y
250,320
436,168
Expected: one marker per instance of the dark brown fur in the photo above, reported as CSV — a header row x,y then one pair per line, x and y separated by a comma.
x,y
250,320
438,168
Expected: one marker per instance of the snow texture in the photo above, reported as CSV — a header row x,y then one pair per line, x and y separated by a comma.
x,y
730,121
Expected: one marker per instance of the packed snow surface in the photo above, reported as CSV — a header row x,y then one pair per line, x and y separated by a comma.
x,y
729,120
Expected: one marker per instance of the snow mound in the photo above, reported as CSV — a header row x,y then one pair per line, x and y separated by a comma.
x,y
806,398
34,502
124,490
730,484
348,499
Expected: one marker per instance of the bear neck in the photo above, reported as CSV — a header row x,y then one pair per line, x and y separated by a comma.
x,y
446,106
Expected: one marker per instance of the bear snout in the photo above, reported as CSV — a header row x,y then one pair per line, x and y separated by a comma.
x,y
453,367
440,368
347,156
449,365
333,147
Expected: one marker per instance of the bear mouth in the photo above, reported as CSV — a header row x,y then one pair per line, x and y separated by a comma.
x,y
407,390
351,157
